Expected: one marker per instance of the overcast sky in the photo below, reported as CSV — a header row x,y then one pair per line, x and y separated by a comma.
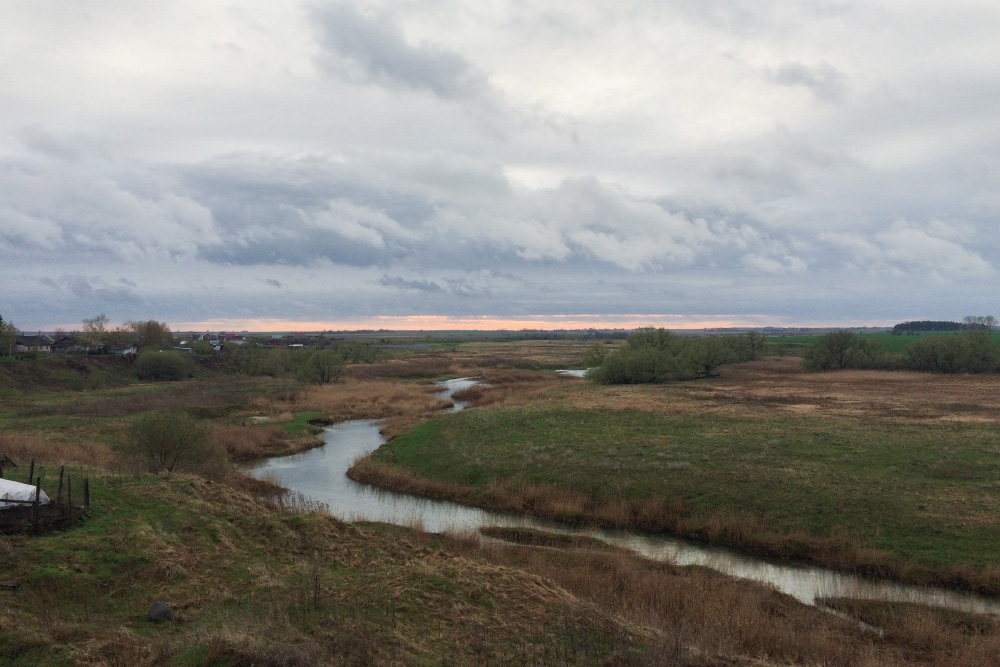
x,y
442,164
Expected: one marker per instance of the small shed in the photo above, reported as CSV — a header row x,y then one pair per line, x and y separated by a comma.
x,y
25,493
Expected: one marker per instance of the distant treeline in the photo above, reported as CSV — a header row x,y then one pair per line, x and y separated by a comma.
x,y
927,325
971,351
970,323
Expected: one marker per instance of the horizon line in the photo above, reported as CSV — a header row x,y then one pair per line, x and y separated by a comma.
x,y
429,323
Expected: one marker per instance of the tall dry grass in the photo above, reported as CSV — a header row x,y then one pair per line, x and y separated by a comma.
x,y
503,386
746,532
400,404
243,443
25,447
702,617
952,637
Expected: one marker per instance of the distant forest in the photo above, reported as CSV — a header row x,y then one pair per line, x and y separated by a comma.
x,y
970,323
927,325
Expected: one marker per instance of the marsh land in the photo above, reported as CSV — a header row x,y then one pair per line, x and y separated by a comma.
x,y
887,473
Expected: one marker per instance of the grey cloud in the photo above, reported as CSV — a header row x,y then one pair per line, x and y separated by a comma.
x,y
127,282
428,286
94,289
271,281
470,224
905,249
468,288
39,139
825,81
47,206
378,52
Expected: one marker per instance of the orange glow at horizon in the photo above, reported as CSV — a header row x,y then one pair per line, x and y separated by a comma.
x,y
480,323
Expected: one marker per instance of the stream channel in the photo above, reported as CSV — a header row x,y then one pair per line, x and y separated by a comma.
x,y
320,475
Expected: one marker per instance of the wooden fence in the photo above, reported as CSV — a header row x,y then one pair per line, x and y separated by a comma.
x,y
35,515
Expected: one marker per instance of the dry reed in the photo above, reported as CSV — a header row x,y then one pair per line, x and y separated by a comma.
x,y
243,443
401,404
25,447
702,617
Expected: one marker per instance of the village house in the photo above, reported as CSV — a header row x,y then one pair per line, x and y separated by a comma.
x,y
37,343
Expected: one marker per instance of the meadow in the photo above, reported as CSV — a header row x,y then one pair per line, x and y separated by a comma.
x,y
890,474
257,576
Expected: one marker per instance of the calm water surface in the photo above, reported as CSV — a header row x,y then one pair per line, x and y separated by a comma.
x,y
320,475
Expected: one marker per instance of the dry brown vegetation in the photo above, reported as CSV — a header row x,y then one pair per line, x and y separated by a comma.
x,y
259,583
400,404
506,386
255,581
23,448
960,637
830,442
649,514
243,443
702,617
781,384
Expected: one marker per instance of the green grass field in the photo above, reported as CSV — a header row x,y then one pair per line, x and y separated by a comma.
x,y
891,344
927,495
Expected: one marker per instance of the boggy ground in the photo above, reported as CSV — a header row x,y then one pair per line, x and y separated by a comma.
x,y
257,579
258,583
253,581
887,473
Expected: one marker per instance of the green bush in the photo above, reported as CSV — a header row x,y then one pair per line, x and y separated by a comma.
x,y
173,440
652,356
163,366
971,352
322,367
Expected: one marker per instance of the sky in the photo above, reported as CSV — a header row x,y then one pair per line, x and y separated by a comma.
x,y
436,164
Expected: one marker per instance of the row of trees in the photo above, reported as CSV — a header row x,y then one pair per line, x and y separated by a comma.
x,y
149,334
658,355
312,366
321,365
969,323
97,333
972,351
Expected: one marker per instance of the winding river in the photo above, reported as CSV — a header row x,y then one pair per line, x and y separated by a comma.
x,y
320,475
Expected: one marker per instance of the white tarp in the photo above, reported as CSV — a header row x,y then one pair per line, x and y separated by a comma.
x,y
10,490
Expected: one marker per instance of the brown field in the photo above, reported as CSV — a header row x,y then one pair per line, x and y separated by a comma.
x,y
24,448
699,617
779,384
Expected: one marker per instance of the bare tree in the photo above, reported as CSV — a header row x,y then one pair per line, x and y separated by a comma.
x,y
8,337
95,330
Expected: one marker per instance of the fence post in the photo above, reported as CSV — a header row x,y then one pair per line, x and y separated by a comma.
x,y
59,494
31,471
86,493
38,501
69,492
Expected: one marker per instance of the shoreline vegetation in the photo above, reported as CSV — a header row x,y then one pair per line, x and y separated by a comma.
x,y
888,475
255,575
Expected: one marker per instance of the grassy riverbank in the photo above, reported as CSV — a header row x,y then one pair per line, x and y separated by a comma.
x,y
255,578
890,474
256,583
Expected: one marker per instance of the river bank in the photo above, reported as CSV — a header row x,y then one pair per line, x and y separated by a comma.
x,y
898,489
581,559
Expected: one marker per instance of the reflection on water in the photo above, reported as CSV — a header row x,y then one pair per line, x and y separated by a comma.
x,y
320,474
